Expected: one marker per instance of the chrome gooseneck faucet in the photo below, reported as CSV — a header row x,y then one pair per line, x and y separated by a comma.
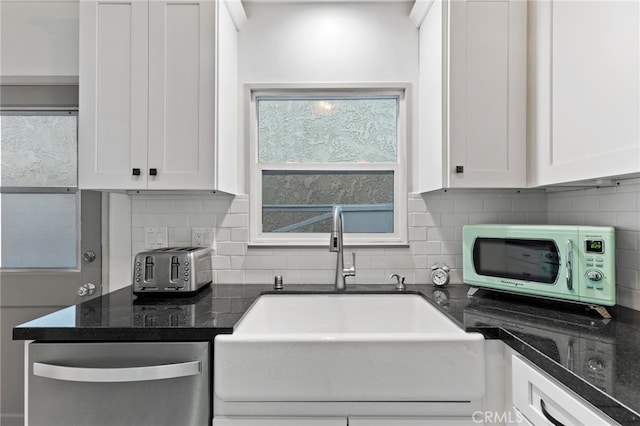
x,y
335,245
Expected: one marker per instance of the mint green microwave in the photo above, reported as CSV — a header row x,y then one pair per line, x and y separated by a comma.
x,y
575,263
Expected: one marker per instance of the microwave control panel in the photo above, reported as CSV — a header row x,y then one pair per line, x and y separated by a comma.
x,y
597,265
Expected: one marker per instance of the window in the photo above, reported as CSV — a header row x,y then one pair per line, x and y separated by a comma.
x,y
312,150
39,201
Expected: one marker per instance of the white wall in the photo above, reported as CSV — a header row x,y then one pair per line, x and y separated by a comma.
x,y
38,40
331,43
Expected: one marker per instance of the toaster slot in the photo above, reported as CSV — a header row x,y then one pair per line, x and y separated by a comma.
x,y
148,269
175,266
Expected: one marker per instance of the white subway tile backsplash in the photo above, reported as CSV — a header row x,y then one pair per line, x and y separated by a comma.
x,y
497,205
258,277
477,218
144,220
435,233
452,247
138,206
627,278
469,205
537,218
272,262
618,202
159,206
449,260
174,220
529,205
240,234
627,259
385,262
137,234
441,234
223,234
512,218
202,220
216,205
627,240
181,234
426,247
588,203
221,262
232,220
556,203
628,220
417,204
231,249
455,219
240,205
424,219
188,206
599,219
439,205
418,234
318,276
230,277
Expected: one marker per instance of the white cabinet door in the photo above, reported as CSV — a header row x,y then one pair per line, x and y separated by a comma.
x,y
585,92
181,94
112,118
487,94
544,401
147,94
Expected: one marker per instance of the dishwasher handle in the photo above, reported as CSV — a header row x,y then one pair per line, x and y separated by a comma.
x,y
110,375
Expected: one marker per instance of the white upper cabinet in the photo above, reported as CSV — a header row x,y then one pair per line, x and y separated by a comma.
x,y
148,98
473,69
584,94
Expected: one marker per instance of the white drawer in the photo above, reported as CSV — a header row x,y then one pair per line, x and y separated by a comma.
x,y
541,398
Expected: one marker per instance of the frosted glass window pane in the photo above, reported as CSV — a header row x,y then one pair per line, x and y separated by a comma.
x,y
303,201
39,150
327,130
39,230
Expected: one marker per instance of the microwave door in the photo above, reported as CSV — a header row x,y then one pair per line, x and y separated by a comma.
x,y
528,260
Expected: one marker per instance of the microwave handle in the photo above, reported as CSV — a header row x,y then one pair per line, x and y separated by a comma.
x,y
569,265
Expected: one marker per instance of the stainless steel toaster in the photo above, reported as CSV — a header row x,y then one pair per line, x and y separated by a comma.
x,y
178,271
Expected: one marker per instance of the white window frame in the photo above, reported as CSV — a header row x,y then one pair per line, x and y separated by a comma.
x,y
399,168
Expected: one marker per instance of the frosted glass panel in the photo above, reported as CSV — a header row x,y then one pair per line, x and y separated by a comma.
x,y
39,230
327,130
38,150
303,201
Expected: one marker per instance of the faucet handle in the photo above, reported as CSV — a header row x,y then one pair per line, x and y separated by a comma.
x,y
351,271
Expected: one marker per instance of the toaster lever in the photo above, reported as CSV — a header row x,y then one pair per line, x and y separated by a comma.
x,y
148,269
175,266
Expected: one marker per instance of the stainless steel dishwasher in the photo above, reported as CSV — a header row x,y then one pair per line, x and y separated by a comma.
x,y
118,384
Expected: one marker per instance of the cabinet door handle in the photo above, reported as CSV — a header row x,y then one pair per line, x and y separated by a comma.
x,y
153,172
136,172
107,375
548,416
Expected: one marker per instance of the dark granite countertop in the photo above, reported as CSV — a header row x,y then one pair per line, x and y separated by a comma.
x,y
598,359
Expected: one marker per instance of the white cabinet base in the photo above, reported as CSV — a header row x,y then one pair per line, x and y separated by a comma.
x,y
540,398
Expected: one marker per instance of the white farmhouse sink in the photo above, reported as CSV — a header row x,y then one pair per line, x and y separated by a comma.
x,y
348,347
